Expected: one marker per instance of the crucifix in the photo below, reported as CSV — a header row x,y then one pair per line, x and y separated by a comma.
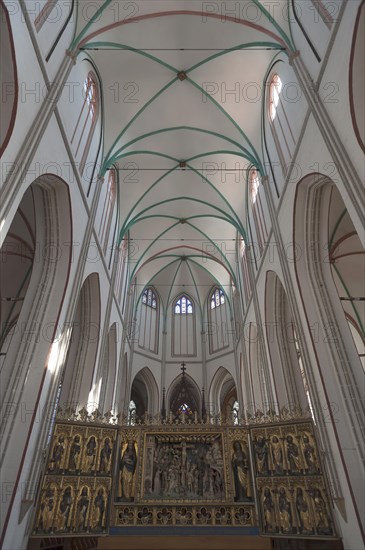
x,y
183,367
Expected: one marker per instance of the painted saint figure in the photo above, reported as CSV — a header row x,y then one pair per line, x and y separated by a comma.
x,y
64,511
261,451
97,521
320,509
292,454
309,455
75,451
90,454
240,473
285,515
58,454
47,509
82,508
105,456
269,511
276,455
301,504
127,469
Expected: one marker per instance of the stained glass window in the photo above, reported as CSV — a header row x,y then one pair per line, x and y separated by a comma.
x,y
217,298
149,298
274,95
183,306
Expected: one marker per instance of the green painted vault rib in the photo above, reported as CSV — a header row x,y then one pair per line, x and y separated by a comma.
x,y
174,199
136,267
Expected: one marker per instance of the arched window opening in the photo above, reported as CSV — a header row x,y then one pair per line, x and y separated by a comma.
x,y
218,321
132,411
183,327
279,122
184,397
235,412
304,378
121,275
149,298
274,95
217,298
86,122
245,273
148,321
108,211
183,306
257,209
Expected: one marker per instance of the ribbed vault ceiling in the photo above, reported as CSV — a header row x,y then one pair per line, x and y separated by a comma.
x,y
180,141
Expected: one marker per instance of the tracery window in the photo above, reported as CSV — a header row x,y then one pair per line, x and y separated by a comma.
x,y
121,278
132,413
108,211
218,328
183,327
257,209
217,298
245,272
183,306
235,412
184,409
86,122
149,298
281,130
148,321
274,95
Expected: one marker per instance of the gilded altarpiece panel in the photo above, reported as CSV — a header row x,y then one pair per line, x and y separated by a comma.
x,y
101,476
291,491
76,488
184,475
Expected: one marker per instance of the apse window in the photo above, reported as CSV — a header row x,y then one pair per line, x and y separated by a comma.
x,y
183,306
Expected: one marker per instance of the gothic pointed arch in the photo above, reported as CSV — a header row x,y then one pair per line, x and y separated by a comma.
x,y
223,394
285,355
8,79
183,396
78,385
332,256
144,393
